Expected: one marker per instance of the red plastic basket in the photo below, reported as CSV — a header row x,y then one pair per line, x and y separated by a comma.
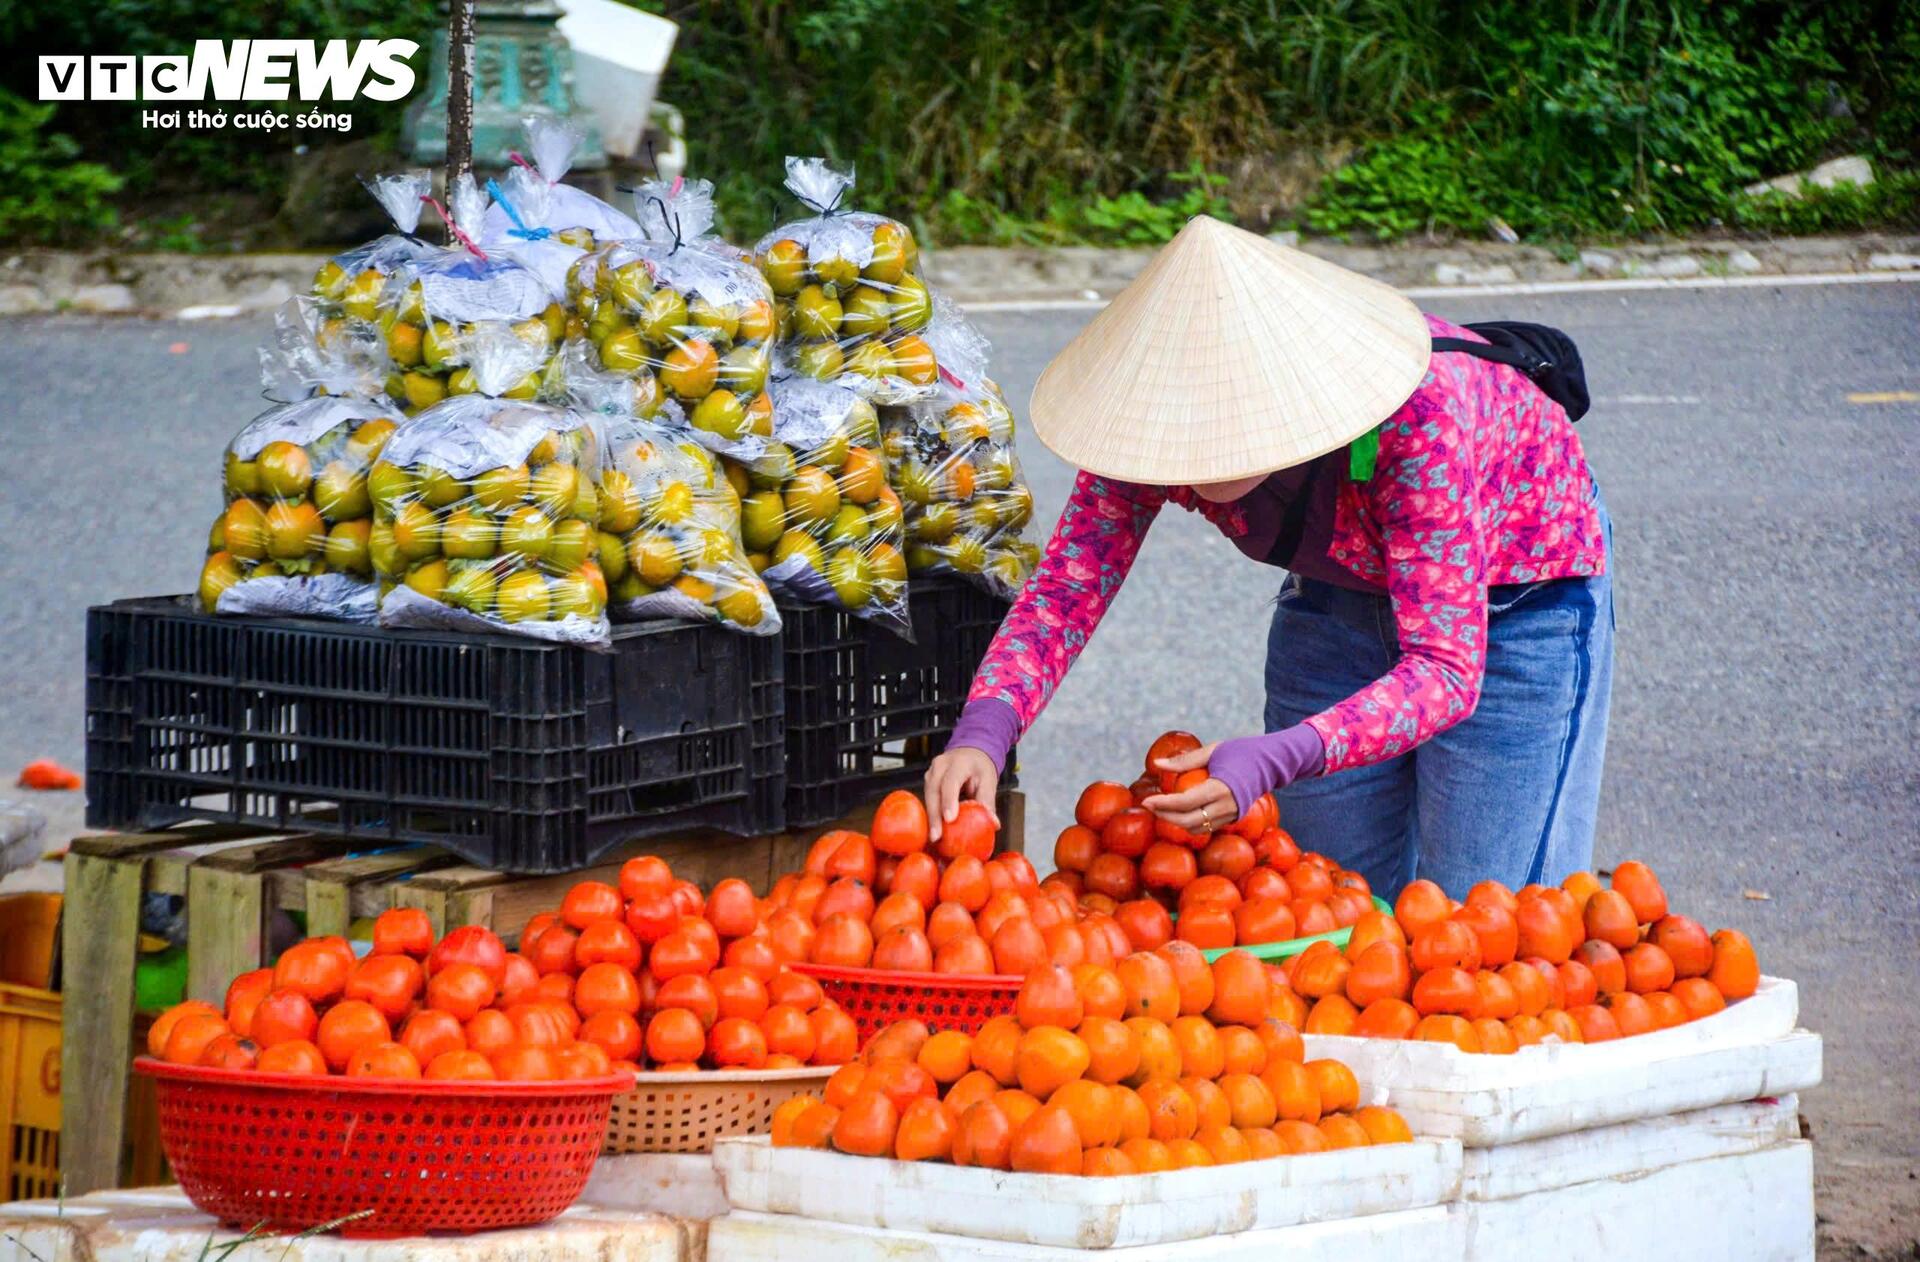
x,y
294,1152
875,998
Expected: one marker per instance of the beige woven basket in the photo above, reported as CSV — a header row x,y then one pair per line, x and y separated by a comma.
x,y
687,1112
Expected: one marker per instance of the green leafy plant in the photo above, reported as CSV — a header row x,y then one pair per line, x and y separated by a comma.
x,y
177,233
47,195
1132,218
1893,201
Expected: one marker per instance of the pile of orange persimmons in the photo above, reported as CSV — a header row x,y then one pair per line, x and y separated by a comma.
x,y
1244,884
889,899
1582,962
459,1008
1161,1061
651,972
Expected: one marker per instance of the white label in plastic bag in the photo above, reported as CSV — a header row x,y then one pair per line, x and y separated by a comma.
x,y
469,290
344,597
470,434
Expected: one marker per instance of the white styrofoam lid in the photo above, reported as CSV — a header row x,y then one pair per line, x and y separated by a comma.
x,y
615,33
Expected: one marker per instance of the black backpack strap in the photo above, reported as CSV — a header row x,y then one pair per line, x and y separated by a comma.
x,y
1512,356
1547,356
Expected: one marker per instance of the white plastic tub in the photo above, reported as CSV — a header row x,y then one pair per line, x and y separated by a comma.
x,y
1748,1051
1085,1213
1420,1235
619,54
1629,1149
683,1184
1749,1207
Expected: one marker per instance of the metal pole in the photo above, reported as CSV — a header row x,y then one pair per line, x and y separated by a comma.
x,y
459,89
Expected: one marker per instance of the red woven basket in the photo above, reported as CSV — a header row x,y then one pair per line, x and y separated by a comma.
x,y
875,998
294,1152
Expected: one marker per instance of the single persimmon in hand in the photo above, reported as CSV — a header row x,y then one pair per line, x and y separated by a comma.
x,y
1189,799
959,773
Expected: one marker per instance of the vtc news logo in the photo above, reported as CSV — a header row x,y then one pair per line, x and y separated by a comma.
x,y
238,70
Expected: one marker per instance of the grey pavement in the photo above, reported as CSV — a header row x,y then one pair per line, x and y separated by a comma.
x,y
1766,706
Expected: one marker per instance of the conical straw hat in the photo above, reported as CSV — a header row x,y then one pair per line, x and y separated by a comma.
x,y
1229,356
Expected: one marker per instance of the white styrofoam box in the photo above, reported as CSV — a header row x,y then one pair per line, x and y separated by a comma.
x,y
1418,1235
1086,1213
1627,1149
1751,1049
619,54
1751,1207
160,1225
684,1184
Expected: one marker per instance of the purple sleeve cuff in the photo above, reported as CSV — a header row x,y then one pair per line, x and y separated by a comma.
x,y
990,726
1252,765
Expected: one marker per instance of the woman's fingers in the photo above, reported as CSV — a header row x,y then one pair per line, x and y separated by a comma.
x,y
954,775
1189,760
939,774
1205,807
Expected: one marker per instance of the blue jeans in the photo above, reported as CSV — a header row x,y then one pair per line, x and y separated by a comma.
x,y
1509,793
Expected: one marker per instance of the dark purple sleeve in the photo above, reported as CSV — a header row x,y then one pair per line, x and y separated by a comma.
x,y
1252,765
989,725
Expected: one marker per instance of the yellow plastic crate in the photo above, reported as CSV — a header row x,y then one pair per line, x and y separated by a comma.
x,y
30,1100
30,1091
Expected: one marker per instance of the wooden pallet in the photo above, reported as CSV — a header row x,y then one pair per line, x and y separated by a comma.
x,y
235,878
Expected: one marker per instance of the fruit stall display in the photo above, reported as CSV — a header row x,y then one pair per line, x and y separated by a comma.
x,y
764,370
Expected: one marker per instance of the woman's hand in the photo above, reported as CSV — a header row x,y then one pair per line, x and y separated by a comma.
x,y
1206,807
960,772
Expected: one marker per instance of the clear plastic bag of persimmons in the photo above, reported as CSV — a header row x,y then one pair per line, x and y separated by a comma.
x,y
951,459
669,540
683,316
817,514
433,302
293,535
891,899
347,287
486,508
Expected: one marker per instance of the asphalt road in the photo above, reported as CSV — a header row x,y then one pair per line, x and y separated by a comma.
x,y
1762,751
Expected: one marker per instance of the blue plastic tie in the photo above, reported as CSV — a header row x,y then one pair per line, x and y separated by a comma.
x,y
520,228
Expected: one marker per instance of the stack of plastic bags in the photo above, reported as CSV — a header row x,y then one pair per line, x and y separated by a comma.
x,y
568,415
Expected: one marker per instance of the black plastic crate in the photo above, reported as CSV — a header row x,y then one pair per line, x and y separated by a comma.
x,y
513,753
866,710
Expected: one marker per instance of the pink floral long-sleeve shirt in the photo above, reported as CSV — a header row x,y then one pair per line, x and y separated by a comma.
x,y
1480,481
